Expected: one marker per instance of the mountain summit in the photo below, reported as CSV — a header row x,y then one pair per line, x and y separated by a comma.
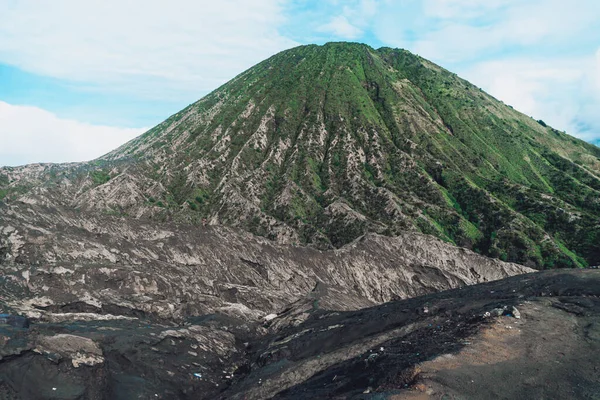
x,y
321,144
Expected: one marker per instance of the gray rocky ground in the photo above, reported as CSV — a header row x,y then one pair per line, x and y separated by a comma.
x,y
58,262
107,307
103,307
460,344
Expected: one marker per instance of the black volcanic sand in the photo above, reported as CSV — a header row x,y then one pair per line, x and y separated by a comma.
x,y
453,320
438,346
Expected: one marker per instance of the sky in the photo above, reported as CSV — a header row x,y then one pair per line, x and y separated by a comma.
x,y
79,78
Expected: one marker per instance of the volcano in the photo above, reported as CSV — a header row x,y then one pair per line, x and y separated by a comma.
x,y
308,229
322,144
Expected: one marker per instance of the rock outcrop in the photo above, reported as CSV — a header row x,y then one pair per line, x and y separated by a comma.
x,y
61,264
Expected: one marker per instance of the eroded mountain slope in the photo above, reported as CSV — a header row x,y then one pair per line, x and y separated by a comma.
x,y
57,264
320,144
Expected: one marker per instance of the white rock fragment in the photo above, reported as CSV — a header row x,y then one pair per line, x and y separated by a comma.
x,y
515,312
270,317
81,350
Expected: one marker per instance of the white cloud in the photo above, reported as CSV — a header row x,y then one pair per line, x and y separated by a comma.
x,y
516,24
463,9
30,134
452,31
182,44
563,92
596,71
355,16
339,26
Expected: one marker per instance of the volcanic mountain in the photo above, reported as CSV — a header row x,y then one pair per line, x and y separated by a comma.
x,y
322,144
245,247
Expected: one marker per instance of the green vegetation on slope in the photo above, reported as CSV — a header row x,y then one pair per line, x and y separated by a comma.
x,y
336,140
